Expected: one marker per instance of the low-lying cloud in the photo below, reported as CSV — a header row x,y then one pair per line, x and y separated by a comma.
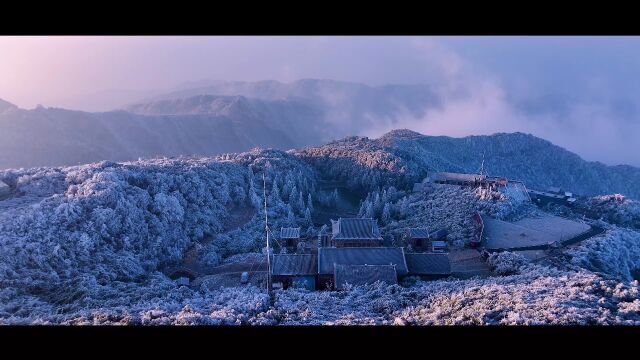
x,y
477,103
580,93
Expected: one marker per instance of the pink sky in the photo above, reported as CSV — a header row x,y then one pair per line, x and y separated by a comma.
x,y
589,86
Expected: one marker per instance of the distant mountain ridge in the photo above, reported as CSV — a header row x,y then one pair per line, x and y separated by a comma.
x,y
5,105
347,108
56,137
224,117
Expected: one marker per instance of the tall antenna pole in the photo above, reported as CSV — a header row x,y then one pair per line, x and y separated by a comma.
x,y
266,229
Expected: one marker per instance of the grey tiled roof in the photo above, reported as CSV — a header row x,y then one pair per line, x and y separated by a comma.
x,y
364,274
289,233
418,233
439,243
327,257
294,264
428,264
355,229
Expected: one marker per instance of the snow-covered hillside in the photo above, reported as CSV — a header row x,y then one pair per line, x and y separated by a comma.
x,y
108,228
402,157
86,245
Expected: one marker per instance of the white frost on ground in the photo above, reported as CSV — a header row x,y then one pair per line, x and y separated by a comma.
x,y
615,253
90,251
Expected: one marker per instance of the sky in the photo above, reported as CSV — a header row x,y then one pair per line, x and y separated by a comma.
x,y
582,93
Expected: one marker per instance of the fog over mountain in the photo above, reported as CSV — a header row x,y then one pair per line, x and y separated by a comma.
x,y
471,105
288,116
53,137
581,93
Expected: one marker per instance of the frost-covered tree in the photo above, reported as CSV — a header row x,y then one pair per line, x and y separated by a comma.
x,y
386,214
307,217
291,218
404,207
299,203
309,202
274,197
292,195
256,200
369,211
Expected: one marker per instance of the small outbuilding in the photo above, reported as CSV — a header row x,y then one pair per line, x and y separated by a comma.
x,y
439,246
421,239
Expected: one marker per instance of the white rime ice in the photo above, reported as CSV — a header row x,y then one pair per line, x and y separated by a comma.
x,y
86,245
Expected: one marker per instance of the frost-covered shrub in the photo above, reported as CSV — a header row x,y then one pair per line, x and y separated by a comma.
x,y
536,296
210,256
616,253
615,209
101,230
506,262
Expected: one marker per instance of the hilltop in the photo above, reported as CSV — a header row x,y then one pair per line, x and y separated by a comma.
x,y
402,157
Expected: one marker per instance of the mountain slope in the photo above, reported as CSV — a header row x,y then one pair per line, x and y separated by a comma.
x,y
6,106
347,108
53,137
91,249
402,157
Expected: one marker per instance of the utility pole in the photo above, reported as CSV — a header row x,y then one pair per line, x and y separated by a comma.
x,y
266,229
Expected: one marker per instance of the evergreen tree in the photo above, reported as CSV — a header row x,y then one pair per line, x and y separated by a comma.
x,y
291,218
363,209
300,203
307,217
386,213
369,212
275,194
309,202
377,203
256,200
292,194
404,207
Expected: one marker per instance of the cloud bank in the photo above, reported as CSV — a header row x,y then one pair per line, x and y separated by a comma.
x,y
580,93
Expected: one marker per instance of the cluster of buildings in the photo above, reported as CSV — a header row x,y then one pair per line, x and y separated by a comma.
x,y
515,189
554,195
353,252
467,179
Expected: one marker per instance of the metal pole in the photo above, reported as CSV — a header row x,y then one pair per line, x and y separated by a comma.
x,y
266,228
